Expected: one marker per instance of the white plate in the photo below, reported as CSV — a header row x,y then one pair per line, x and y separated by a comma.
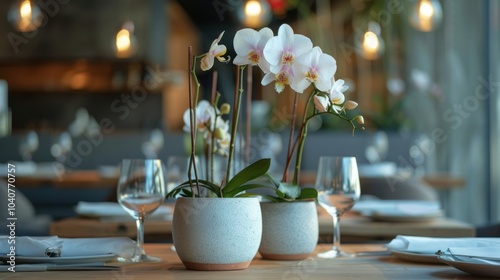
x,y
404,218
416,257
62,260
113,211
488,270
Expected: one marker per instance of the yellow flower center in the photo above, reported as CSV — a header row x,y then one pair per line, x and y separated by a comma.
x,y
282,78
312,75
336,100
287,58
253,56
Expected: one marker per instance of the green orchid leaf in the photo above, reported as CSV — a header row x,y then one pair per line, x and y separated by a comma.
x,y
243,188
185,185
174,192
280,194
253,171
186,193
308,193
292,191
278,199
271,198
273,180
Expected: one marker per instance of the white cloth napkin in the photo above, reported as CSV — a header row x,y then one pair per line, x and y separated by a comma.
x,y
430,245
28,246
69,247
477,252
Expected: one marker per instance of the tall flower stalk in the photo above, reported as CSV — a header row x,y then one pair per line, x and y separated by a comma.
x,y
206,118
286,59
236,114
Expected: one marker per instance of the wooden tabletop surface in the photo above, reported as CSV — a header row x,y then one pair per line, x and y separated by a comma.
x,y
366,267
71,179
351,226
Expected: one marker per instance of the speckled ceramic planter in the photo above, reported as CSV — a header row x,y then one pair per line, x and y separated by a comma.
x,y
217,233
289,230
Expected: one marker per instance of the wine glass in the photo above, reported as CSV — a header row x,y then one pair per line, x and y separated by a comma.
x,y
141,190
29,145
338,188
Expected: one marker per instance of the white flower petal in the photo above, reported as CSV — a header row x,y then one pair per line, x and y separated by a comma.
x,y
299,85
301,44
240,60
268,78
207,62
264,65
285,34
321,103
323,84
272,51
328,64
187,121
265,34
245,40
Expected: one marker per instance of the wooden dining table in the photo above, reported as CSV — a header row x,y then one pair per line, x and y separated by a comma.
x,y
368,266
354,228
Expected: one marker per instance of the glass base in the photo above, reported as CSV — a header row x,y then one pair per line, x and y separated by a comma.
x,y
335,254
140,258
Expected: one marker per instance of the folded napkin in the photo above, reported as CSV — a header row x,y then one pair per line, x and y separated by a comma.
x,y
115,210
430,245
492,253
68,247
29,246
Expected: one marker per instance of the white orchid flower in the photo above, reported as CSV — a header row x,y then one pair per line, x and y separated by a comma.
x,y
321,103
220,124
216,51
282,78
337,94
283,49
204,113
223,144
314,67
249,46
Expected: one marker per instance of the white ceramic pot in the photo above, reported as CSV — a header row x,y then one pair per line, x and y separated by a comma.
x,y
289,230
217,233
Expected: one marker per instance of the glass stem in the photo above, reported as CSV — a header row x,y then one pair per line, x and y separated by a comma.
x,y
139,249
336,233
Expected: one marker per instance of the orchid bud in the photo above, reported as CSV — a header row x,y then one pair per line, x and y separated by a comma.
x,y
360,119
349,105
225,108
219,133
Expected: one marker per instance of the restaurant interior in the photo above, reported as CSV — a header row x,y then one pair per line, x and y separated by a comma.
x,y
85,84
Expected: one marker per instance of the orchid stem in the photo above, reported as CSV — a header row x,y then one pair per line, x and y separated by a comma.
x,y
214,99
192,118
248,114
302,135
237,98
289,153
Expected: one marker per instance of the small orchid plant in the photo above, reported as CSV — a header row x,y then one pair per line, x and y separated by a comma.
x,y
218,134
287,59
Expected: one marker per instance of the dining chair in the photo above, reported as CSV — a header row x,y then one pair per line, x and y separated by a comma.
x,y
28,222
